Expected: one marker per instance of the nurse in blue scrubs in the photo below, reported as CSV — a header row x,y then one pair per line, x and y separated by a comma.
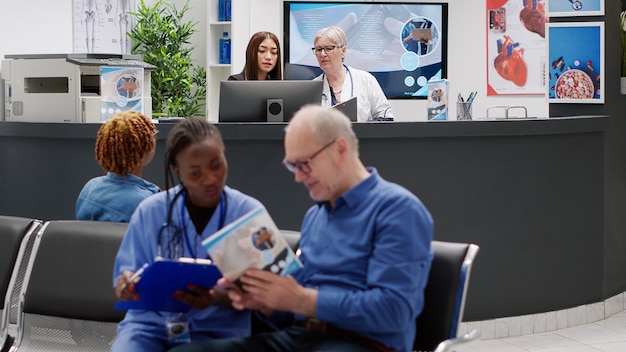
x,y
173,224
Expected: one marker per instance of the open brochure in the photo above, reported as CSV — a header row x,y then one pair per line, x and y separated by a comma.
x,y
158,282
252,241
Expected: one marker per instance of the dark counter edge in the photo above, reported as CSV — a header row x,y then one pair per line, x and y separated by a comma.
x,y
424,129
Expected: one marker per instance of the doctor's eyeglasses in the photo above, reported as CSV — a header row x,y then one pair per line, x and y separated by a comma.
x,y
327,49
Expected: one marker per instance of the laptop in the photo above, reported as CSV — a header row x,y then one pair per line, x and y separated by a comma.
x,y
348,108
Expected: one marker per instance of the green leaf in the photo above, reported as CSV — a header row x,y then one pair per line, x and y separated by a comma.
x,y
162,36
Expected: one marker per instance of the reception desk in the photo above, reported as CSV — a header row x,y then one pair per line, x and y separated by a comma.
x,y
531,193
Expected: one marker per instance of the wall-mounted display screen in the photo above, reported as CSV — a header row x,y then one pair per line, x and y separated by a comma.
x,y
402,44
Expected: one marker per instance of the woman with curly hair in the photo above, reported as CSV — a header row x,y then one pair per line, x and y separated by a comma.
x,y
125,144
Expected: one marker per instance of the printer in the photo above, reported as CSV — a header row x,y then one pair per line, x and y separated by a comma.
x,y
64,87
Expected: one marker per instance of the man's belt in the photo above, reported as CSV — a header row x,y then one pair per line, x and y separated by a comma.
x,y
331,330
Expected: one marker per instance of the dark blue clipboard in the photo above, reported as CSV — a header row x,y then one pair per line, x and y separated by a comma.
x,y
162,278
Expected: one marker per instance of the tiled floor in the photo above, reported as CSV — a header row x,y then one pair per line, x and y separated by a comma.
x,y
608,335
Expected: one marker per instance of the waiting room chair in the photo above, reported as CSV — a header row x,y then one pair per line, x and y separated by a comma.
x,y
444,301
444,296
14,252
66,302
292,238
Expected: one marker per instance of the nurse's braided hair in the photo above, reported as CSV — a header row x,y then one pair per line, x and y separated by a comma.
x,y
182,135
123,141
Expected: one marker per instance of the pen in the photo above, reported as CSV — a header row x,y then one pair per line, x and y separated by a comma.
x,y
472,96
137,274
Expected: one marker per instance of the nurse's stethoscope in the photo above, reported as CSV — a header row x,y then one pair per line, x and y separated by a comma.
x,y
333,100
178,233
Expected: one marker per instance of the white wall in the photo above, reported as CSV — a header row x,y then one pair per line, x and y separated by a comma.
x,y
197,13
35,27
466,43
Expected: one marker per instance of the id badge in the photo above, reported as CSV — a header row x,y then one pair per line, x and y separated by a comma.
x,y
177,329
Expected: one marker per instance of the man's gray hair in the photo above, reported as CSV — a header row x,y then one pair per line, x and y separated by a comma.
x,y
328,124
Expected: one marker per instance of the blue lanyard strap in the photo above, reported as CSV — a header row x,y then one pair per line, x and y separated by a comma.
x,y
222,208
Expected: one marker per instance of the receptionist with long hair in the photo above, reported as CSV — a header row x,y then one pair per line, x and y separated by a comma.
x,y
262,59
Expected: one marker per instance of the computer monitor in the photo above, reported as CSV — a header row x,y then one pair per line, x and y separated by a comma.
x,y
266,101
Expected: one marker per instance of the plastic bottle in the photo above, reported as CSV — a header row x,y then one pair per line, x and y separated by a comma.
x,y
221,10
225,49
227,10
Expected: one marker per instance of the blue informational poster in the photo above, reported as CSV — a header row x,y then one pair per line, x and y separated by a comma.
x,y
575,8
575,67
121,89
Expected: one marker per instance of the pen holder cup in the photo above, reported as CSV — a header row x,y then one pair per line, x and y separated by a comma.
x,y
463,111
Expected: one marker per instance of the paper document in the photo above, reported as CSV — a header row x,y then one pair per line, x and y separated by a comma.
x,y
252,241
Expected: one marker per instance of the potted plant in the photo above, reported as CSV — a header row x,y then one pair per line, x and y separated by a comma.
x,y
162,37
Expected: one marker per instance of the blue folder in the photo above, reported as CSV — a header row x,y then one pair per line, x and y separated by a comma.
x,y
161,279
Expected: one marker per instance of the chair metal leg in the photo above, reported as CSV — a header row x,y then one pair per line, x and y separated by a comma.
x,y
451,345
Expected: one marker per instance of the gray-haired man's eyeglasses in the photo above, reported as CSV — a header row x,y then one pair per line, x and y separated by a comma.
x,y
304,165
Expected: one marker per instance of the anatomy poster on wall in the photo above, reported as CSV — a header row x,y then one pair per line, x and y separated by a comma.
x,y
121,89
516,47
575,66
100,26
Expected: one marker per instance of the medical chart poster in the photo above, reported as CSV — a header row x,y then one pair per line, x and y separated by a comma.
x,y
557,8
100,26
575,67
516,47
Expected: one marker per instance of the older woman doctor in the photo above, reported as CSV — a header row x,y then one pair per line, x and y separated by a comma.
x,y
342,82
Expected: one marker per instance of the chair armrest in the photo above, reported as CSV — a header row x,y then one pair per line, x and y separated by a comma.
x,y
449,345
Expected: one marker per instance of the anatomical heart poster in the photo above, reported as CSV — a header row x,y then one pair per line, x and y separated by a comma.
x,y
516,47
575,62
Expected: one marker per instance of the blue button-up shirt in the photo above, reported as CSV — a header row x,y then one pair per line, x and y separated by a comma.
x,y
369,257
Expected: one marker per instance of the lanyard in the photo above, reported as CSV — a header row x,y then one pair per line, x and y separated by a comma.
x,y
222,208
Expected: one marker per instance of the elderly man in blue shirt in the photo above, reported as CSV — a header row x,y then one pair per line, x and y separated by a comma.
x,y
365,248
